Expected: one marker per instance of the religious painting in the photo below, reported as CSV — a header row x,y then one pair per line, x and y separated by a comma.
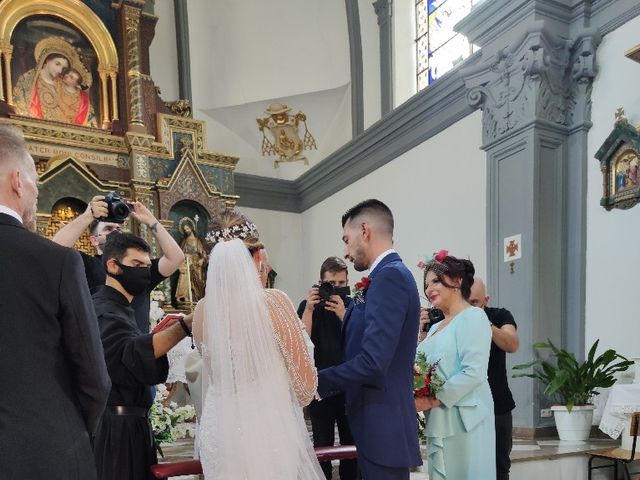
x,y
619,158
53,68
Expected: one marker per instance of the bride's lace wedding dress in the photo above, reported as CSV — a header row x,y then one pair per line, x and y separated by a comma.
x,y
258,374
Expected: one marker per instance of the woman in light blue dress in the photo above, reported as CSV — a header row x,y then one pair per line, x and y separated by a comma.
x,y
460,427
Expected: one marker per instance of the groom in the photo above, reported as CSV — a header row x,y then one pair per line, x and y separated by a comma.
x,y
379,346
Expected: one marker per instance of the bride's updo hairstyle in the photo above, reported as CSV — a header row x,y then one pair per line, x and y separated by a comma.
x,y
229,224
453,268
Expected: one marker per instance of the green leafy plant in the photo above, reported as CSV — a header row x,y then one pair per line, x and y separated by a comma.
x,y
573,382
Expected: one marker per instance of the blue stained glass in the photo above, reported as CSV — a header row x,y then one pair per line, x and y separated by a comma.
x,y
434,4
438,47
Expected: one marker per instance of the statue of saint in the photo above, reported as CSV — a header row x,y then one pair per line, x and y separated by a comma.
x,y
191,281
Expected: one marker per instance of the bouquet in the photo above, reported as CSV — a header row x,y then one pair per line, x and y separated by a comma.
x,y
165,418
426,379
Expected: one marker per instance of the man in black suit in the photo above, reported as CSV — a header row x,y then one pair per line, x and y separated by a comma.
x,y
52,370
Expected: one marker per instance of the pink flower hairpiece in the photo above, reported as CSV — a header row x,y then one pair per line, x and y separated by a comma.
x,y
436,257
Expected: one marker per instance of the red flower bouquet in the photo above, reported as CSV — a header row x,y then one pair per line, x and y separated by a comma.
x,y
426,379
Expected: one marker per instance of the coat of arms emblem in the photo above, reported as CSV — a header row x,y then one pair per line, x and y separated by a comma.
x,y
285,141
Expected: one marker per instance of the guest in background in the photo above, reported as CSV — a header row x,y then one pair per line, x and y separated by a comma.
x,y
52,370
504,338
323,322
172,256
459,418
124,447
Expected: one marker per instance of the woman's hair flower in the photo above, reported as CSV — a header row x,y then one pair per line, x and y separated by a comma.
x,y
436,257
441,255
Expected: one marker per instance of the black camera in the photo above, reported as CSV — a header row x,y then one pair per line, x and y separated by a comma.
x,y
326,289
118,210
435,316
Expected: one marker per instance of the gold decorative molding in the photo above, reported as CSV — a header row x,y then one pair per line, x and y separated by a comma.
x,y
167,124
72,11
181,108
633,53
139,141
132,22
74,136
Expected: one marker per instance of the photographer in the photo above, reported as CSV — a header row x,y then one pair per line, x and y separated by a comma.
x,y
96,218
322,313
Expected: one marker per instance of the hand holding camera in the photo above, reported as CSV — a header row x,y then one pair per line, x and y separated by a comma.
x,y
335,304
313,298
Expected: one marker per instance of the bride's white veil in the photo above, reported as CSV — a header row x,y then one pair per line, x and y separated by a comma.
x,y
252,425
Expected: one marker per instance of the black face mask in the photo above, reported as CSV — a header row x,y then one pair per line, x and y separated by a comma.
x,y
134,280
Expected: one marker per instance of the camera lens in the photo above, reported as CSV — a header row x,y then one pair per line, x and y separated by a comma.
x,y
325,290
120,210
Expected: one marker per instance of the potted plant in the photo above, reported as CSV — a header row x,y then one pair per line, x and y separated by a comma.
x,y
574,384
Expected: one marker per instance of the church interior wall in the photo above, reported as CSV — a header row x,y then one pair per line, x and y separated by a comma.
x,y
612,255
436,192
404,57
234,79
163,53
370,34
281,232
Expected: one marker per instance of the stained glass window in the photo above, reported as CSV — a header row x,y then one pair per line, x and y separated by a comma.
x,y
438,47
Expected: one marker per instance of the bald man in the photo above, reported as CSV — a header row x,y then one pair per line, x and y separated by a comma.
x,y
52,370
504,338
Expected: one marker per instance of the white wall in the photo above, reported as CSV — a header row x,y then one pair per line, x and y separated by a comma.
x,y
613,255
163,53
281,233
247,55
234,130
247,51
437,195
404,50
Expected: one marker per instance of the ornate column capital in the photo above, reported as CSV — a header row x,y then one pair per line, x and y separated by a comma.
x,y
383,10
536,79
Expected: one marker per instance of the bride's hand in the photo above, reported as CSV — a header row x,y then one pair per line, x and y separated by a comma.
x,y
426,403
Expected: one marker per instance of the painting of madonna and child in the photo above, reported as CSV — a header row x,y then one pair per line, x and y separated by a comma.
x,y
51,69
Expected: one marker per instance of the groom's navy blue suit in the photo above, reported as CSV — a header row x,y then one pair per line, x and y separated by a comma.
x,y
380,337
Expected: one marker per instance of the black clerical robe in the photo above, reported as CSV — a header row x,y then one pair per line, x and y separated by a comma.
x,y
124,441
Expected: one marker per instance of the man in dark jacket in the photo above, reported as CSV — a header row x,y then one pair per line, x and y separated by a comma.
x,y
52,370
504,338
323,322
136,361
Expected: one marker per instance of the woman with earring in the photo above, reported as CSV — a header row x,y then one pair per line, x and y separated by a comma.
x,y
257,373
459,417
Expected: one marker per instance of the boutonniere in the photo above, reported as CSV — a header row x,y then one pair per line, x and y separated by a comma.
x,y
359,289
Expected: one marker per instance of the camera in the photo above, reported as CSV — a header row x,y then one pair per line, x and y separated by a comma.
x,y
118,210
326,289
435,316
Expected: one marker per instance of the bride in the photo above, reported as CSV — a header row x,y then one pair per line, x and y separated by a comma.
x,y
257,371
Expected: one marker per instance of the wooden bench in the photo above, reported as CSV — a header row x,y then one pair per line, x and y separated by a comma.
x,y
163,471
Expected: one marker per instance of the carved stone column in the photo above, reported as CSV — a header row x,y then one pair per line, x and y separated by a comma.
x,y
139,146
383,9
534,91
131,13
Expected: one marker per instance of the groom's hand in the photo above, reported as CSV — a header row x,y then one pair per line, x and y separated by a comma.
x,y
335,304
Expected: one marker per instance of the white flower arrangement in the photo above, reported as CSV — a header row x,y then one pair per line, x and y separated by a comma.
x,y
165,419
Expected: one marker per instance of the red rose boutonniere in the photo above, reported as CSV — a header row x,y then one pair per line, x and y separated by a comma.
x,y
360,288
